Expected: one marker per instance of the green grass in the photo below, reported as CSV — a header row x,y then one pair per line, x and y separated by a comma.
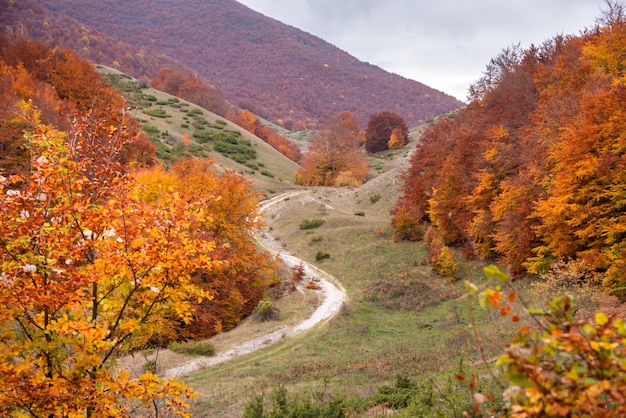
x,y
168,113
417,329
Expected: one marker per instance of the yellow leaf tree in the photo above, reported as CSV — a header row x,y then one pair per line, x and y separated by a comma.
x,y
85,276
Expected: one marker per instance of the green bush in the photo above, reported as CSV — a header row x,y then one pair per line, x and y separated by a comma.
x,y
194,112
311,223
265,311
359,213
149,129
320,255
202,136
397,396
199,348
157,113
282,405
374,198
150,366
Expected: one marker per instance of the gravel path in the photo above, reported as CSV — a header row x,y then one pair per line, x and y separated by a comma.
x,y
333,295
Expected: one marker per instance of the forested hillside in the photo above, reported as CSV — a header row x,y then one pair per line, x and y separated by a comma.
x,y
276,71
531,173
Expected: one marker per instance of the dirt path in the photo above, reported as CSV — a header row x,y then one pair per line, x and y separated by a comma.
x,y
332,292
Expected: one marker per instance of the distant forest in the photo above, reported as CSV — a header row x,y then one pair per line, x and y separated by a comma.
x,y
276,71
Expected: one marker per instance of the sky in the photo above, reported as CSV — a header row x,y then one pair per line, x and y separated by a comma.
x,y
445,44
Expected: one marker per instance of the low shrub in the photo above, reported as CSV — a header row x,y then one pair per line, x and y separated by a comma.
x,y
265,311
320,405
199,348
320,255
311,223
150,366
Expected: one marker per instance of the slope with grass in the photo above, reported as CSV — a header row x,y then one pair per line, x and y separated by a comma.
x,y
181,129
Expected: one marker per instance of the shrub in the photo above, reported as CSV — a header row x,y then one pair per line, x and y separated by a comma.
x,y
311,224
150,366
318,405
150,129
265,311
299,274
194,112
374,198
320,255
157,113
445,264
359,213
408,225
199,348
397,396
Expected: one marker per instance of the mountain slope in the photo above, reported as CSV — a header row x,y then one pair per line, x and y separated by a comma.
x,y
277,71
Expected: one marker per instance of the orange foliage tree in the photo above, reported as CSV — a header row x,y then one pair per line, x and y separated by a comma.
x,y
334,157
531,171
88,272
252,124
67,93
239,281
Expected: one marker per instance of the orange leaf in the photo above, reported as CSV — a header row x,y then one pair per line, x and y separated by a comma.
x,y
512,297
524,329
474,383
515,317
505,310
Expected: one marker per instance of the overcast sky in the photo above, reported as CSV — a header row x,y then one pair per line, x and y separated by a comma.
x,y
444,44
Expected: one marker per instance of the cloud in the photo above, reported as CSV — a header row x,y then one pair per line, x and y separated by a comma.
x,y
444,44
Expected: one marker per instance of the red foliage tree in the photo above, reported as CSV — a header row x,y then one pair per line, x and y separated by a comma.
x,y
252,124
380,128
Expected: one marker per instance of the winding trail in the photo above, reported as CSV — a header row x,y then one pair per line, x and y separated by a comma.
x,y
333,295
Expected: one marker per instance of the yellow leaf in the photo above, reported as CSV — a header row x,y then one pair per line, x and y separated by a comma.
x,y
601,318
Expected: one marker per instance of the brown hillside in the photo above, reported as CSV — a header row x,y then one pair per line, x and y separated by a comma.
x,y
275,70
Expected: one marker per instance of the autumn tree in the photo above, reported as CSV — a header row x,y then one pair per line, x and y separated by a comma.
x,y
334,157
239,281
381,127
87,275
529,172
191,87
252,124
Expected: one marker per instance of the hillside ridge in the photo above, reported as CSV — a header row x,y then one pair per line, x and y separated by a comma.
x,y
279,72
